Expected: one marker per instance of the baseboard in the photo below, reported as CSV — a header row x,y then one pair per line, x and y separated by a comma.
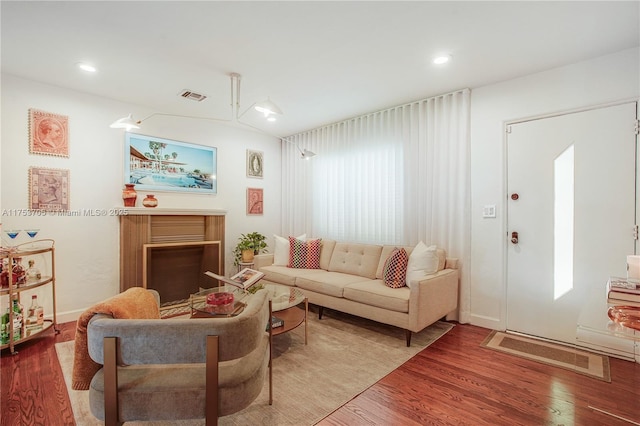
x,y
68,316
487,322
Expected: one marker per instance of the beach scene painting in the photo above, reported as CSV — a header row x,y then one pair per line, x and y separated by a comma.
x,y
157,164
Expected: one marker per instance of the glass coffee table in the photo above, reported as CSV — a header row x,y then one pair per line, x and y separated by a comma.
x,y
285,301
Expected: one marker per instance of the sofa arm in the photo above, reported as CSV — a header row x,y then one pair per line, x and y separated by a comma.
x,y
432,298
260,260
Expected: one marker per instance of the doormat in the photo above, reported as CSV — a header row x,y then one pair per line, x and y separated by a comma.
x,y
583,362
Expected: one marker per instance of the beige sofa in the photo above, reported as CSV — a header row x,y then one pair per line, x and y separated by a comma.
x,y
350,280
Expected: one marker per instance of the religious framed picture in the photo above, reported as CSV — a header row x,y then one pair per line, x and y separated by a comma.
x,y
255,163
48,133
158,164
48,189
254,201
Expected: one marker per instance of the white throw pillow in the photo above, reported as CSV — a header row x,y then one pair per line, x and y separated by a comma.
x,y
281,250
422,262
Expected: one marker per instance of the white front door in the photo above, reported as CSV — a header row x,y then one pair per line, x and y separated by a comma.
x,y
571,201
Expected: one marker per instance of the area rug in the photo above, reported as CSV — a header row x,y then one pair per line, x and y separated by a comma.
x,y
344,356
583,362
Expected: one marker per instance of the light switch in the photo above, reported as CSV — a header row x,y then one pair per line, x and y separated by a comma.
x,y
489,211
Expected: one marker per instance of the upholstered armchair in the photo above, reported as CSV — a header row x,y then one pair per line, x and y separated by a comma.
x,y
170,369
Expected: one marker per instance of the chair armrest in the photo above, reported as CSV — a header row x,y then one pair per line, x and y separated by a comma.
x,y
179,340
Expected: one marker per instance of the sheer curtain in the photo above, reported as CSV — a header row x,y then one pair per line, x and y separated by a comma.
x,y
397,176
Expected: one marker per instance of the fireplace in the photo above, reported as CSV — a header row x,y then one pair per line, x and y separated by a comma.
x,y
176,270
169,250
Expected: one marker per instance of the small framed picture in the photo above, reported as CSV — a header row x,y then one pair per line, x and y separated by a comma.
x,y
48,189
254,201
48,133
255,163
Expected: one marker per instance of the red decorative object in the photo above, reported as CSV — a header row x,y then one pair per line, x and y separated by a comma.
x,y
629,316
129,195
220,302
150,201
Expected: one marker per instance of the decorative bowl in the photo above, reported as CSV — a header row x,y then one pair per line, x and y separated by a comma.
x,y
221,302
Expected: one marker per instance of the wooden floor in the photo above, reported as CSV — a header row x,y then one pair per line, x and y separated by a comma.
x,y
452,382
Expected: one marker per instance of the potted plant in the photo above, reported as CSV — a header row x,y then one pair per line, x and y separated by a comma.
x,y
248,246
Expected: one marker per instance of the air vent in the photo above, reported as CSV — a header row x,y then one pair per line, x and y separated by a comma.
x,y
188,94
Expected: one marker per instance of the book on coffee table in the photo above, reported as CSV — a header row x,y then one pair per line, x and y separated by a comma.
x,y
243,279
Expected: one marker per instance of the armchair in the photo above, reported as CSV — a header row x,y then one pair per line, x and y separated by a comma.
x,y
170,369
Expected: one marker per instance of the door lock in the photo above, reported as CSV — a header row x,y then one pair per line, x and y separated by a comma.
x,y
514,237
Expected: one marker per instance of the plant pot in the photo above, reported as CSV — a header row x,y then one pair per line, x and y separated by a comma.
x,y
247,256
129,195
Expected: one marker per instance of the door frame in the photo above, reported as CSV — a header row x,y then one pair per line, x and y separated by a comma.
x,y
505,185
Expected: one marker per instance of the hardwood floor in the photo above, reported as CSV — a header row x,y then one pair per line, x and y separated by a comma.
x,y
453,382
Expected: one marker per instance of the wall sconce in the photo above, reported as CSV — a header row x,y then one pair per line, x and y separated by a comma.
x,y
125,123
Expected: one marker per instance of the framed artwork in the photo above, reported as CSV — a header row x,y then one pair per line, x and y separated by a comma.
x,y
157,164
48,133
254,201
48,189
255,163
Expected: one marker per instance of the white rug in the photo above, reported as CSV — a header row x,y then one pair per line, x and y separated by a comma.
x,y
345,355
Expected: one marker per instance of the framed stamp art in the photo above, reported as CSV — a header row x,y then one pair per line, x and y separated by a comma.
x,y
255,163
48,189
48,133
255,204
157,164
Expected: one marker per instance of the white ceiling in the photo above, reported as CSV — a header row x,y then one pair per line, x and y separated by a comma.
x,y
321,62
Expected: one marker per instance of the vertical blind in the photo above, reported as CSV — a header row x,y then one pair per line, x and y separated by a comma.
x,y
397,177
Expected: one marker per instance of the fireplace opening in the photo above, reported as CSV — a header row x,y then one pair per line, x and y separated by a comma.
x,y
176,270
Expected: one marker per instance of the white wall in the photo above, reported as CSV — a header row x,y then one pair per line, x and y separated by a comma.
x,y
87,247
607,79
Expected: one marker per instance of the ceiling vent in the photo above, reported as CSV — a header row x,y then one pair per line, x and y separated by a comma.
x,y
188,94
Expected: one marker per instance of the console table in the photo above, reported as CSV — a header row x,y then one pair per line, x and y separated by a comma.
x,y
600,333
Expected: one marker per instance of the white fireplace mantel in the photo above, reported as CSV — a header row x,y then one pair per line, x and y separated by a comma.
x,y
146,211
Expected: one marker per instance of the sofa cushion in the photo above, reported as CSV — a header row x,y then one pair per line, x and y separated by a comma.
x,y
376,293
281,249
423,261
395,268
356,259
326,252
329,283
304,254
384,255
283,274
386,250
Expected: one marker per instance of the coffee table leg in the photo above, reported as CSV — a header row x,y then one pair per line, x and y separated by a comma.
x,y
306,313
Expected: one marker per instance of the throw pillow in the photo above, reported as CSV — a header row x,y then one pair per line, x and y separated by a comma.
x,y
395,268
423,261
281,250
304,254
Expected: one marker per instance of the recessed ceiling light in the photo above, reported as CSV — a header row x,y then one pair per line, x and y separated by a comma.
x,y
442,59
86,67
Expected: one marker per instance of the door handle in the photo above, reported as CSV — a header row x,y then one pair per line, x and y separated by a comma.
x,y
514,237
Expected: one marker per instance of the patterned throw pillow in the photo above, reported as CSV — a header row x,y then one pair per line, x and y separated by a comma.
x,y
304,254
395,268
281,251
